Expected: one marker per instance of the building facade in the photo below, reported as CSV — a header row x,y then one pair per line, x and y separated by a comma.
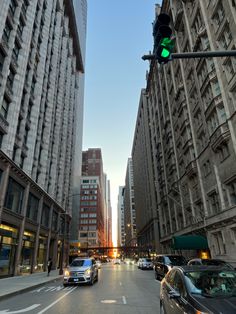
x,y
191,122
144,183
129,207
91,218
40,68
120,216
92,165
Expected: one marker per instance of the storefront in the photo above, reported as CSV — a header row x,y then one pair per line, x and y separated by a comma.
x,y
8,242
27,252
41,257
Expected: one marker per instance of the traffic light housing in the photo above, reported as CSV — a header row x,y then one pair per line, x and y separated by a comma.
x,y
163,42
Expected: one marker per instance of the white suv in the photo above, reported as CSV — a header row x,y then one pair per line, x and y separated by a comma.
x,y
145,263
81,270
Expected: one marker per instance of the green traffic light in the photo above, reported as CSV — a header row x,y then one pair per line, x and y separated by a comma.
x,y
165,53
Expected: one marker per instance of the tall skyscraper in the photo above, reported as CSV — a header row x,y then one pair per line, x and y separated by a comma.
x,y
42,51
120,216
129,206
187,113
94,201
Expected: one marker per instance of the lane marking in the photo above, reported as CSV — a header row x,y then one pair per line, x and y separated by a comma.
x,y
108,301
27,309
50,305
124,299
120,283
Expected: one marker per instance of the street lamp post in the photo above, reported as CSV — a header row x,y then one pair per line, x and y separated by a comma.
x,y
63,245
64,235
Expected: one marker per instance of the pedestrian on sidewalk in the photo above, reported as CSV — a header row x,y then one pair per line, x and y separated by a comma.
x,y
49,265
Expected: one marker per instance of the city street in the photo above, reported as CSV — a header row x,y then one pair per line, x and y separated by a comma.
x,y
120,289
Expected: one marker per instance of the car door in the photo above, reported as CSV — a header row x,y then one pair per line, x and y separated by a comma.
x,y
178,305
166,290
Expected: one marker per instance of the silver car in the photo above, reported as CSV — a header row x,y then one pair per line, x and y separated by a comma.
x,y
145,263
81,270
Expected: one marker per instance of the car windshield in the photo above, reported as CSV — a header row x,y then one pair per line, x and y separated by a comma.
x,y
175,260
147,260
212,283
81,262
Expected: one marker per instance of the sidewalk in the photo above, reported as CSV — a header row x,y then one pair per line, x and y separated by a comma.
x,y
15,285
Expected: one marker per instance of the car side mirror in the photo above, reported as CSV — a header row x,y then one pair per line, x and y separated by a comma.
x,y
174,295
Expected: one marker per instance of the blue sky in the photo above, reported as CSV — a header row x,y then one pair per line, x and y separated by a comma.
x,y
119,32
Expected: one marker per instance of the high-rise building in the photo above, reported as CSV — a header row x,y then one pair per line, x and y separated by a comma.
x,y
120,216
129,206
92,169
191,107
42,50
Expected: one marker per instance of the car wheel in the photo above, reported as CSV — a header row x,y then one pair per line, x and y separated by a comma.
x,y
91,282
97,277
65,284
162,311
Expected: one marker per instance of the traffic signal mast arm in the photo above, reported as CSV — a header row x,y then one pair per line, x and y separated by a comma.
x,y
197,54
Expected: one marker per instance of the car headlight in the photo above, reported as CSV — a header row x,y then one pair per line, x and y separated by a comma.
x,y
66,273
87,272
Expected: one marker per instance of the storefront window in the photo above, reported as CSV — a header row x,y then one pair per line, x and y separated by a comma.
x,y
54,221
14,196
32,207
41,258
45,216
8,236
27,252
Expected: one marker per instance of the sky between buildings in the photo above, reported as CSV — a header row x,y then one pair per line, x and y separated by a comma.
x,y
119,32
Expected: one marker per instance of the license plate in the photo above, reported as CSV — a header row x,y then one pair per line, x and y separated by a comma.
x,y
76,279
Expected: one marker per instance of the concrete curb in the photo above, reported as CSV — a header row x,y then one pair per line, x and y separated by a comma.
x,y
20,291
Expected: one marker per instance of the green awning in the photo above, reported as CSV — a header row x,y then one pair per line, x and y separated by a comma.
x,y
189,242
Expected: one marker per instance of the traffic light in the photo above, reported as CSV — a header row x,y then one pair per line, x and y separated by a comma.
x,y
163,42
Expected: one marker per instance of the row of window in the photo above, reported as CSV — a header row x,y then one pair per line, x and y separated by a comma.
x,y
14,201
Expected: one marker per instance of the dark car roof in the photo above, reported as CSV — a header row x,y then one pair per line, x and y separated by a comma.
x,y
192,268
169,255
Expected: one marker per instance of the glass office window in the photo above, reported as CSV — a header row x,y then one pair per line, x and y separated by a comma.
x,y
14,196
32,207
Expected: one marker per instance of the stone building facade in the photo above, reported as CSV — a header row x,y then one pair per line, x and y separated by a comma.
x,y
40,68
191,108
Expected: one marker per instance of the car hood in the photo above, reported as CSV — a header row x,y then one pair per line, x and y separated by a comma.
x,y
76,268
219,305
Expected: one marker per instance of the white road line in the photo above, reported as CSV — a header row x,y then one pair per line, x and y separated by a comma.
x,y
50,305
124,299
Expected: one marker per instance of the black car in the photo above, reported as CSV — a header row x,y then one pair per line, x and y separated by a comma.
x,y
213,261
198,289
163,263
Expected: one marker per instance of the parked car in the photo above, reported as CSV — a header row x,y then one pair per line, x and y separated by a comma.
x,y
129,261
163,263
81,270
116,261
198,289
216,262
145,263
98,263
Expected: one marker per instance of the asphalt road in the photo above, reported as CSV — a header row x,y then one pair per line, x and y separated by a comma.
x,y
121,289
